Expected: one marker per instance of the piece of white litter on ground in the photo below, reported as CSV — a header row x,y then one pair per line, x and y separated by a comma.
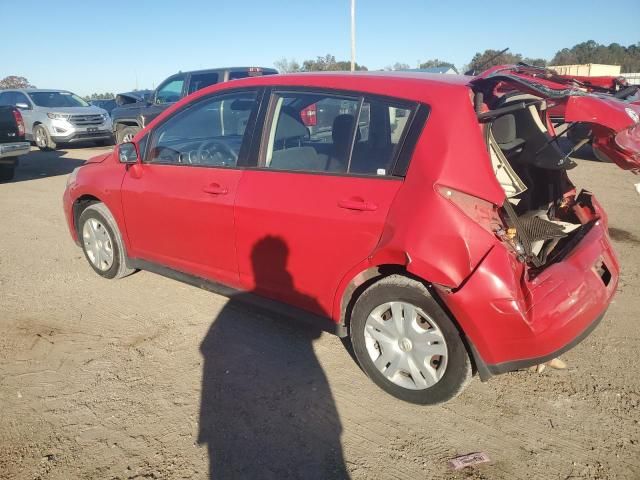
x,y
637,187
468,460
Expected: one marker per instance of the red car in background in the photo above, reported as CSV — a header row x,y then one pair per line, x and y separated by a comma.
x,y
431,220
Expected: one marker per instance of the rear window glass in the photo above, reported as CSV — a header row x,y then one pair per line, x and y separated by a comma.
x,y
57,99
335,134
202,80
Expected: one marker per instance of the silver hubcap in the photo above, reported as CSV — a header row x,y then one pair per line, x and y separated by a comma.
x,y
406,345
127,138
98,244
40,141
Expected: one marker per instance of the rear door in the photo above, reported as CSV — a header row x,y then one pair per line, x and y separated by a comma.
x,y
316,204
178,203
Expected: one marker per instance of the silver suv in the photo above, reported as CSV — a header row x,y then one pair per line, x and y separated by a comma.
x,y
58,116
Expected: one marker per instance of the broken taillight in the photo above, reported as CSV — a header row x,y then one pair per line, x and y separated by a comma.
x,y
485,214
19,121
477,209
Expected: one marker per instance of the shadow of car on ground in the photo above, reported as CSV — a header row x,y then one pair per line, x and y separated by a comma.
x,y
38,164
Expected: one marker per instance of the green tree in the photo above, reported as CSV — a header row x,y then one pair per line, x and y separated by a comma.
x,y
100,96
490,58
328,63
13,81
537,62
397,66
287,66
592,52
434,63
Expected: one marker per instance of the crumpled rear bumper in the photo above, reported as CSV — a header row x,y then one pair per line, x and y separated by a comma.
x,y
512,322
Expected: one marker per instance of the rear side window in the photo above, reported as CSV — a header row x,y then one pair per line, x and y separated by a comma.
x,y
201,80
318,132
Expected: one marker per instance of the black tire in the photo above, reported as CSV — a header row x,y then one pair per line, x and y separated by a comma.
x,y
397,288
43,139
7,172
100,213
126,134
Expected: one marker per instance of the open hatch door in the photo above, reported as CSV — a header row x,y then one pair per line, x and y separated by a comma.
x,y
615,123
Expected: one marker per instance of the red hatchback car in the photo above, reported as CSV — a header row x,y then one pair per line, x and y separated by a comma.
x,y
428,218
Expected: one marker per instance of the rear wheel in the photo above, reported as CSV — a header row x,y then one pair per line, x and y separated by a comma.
x,y
406,343
102,243
43,139
7,172
126,134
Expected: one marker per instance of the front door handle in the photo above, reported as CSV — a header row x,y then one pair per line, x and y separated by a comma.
x,y
215,189
357,204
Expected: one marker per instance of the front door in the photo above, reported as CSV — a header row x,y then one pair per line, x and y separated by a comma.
x,y
178,203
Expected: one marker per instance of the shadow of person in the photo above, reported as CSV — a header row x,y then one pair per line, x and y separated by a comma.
x,y
266,408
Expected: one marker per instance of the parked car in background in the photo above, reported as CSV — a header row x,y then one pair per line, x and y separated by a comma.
x,y
130,118
133,97
12,142
449,236
105,104
58,116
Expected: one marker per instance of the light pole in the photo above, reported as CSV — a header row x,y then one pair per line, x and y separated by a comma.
x,y
353,35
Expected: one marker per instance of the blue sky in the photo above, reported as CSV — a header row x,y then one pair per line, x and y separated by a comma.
x,y
96,46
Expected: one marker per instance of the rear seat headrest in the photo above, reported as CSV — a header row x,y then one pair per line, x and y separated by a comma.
x,y
504,128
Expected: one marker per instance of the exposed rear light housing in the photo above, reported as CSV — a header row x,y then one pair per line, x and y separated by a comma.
x,y
19,122
481,211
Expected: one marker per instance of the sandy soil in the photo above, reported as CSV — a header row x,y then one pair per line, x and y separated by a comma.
x,y
150,378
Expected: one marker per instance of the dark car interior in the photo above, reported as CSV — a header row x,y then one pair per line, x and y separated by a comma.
x,y
328,147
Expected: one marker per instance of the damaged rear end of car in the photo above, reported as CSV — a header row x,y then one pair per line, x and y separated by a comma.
x,y
552,273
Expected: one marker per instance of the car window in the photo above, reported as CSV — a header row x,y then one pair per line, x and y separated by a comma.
x,y
208,133
201,80
337,134
20,98
381,128
171,91
57,99
5,98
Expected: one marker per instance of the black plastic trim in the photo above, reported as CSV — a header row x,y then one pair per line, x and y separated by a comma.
x,y
411,137
248,298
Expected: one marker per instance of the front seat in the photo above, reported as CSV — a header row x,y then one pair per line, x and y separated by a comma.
x,y
341,134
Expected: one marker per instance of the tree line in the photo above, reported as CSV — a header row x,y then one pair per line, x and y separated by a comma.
x,y
586,52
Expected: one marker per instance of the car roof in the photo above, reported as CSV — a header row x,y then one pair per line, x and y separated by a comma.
x,y
31,90
415,86
225,69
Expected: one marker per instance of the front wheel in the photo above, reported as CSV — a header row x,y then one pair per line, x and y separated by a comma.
x,y
126,134
406,343
43,139
102,243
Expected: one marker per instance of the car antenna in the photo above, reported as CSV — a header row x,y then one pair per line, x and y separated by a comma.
x,y
473,70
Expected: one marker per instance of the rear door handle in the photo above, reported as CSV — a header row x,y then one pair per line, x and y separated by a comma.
x,y
215,189
357,204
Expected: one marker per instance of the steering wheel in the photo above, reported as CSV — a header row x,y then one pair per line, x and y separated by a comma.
x,y
216,153
167,155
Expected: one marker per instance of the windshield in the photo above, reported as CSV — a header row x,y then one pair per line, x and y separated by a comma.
x,y
57,99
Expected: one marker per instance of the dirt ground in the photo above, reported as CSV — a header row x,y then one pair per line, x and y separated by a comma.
x,y
149,378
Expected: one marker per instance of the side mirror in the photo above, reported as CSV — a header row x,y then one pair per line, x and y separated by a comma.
x,y
23,106
128,153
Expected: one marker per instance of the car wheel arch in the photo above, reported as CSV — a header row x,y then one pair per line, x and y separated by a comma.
x,y
364,279
79,205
